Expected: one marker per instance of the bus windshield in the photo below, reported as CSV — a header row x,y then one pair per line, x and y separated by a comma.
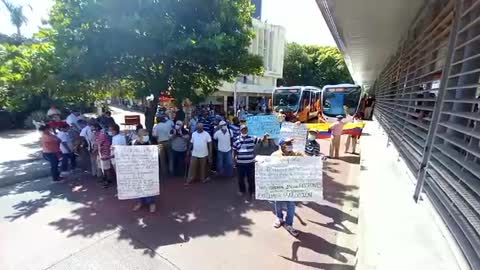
x,y
340,100
286,99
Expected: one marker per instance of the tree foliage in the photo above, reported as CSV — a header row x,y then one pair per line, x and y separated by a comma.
x,y
314,65
94,48
179,46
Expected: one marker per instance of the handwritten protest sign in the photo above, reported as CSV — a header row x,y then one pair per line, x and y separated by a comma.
x,y
258,125
288,178
297,132
137,171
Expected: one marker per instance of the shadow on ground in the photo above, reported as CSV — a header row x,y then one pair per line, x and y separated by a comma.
x,y
182,213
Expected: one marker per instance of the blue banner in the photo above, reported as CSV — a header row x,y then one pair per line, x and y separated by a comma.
x,y
259,125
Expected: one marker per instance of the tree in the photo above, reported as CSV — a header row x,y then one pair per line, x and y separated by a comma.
x,y
17,17
29,80
186,47
314,65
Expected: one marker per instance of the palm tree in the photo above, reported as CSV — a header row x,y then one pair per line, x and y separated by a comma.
x,y
17,17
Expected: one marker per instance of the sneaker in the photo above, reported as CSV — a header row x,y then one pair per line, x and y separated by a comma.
x,y
292,231
137,207
278,223
207,180
152,208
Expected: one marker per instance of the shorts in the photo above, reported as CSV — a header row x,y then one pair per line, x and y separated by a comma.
x,y
105,164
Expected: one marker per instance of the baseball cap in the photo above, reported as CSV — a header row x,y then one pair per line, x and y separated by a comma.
x,y
222,123
284,140
180,123
243,126
313,131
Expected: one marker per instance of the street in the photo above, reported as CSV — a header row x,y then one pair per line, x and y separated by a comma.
x,y
79,225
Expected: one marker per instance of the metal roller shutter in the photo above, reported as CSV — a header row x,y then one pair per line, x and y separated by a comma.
x,y
428,101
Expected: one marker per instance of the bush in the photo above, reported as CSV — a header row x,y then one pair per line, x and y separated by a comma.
x,y
38,116
6,120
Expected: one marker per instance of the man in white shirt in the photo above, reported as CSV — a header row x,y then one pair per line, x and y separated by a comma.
x,y
117,139
72,118
201,149
66,147
224,150
336,129
161,132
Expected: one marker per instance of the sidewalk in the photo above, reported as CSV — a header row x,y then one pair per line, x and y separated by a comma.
x,y
21,158
79,225
394,231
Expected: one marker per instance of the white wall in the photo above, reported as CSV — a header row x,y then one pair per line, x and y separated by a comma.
x,y
269,43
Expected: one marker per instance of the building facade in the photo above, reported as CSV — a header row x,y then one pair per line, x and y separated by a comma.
x,y
269,43
421,61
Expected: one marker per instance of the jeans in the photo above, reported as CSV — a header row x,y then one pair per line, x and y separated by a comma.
x,y
246,171
65,159
53,159
178,163
290,211
225,163
147,200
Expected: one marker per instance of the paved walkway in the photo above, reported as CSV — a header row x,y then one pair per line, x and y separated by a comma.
x,y
79,225
395,232
20,159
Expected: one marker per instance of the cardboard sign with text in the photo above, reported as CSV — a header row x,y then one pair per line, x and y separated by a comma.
x,y
259,125
298,132
137,171
289,178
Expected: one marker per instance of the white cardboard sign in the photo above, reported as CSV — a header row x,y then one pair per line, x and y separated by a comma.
x,y
137,171
289,178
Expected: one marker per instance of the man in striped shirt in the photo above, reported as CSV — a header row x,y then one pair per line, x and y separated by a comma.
x,y
206,122
312,147
244,155
235,128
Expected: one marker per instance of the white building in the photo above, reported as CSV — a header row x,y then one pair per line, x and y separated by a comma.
x,y
269,42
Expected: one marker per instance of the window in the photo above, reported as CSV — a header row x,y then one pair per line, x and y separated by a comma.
x,y
305,100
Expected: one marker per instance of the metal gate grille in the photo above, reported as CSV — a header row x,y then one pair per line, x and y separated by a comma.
x,y
428,102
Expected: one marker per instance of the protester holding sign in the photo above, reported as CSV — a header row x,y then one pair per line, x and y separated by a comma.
x,y
336,129
144,139
312,147
353,138
286,149
244,156
201,150
117,139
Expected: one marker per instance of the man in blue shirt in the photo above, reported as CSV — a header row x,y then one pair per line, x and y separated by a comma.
x,y
244,154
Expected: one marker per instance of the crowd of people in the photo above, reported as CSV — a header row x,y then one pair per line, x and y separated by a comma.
x,y
198,148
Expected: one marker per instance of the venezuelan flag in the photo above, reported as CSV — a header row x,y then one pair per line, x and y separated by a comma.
x,y
355,129
322,129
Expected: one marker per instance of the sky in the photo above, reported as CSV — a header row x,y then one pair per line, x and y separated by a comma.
x,y
34,10
302,19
